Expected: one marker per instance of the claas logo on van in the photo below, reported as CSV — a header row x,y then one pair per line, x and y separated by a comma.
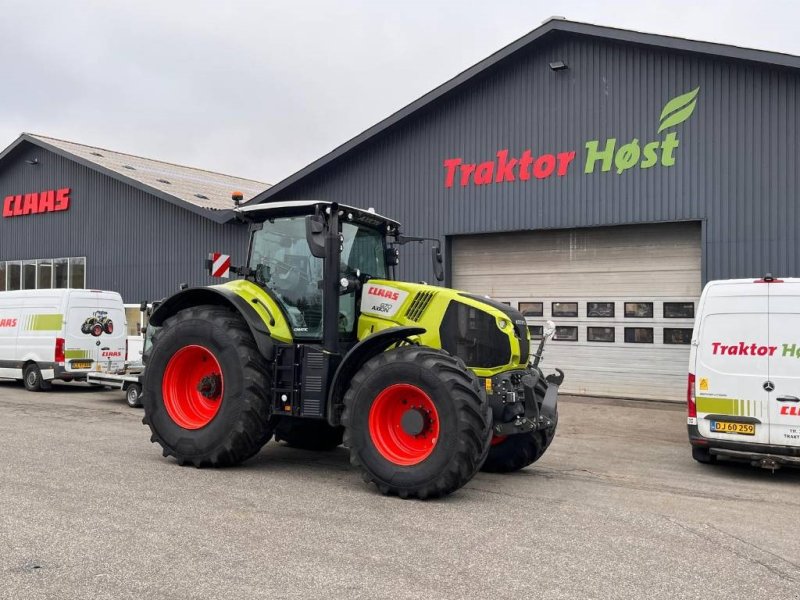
x,y
8,322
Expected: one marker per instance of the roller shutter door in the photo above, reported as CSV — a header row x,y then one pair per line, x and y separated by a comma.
x,y
623,298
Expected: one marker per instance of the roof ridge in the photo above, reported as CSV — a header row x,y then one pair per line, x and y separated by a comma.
x,y
663,35
163,162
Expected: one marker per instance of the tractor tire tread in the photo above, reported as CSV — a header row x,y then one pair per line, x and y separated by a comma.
x,y
473,418
254,429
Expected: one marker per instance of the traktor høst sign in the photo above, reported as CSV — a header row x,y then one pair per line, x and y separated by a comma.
x,y
597,156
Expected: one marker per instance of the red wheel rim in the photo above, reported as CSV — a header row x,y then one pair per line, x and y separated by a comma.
x,y
498,439
404,424
192,387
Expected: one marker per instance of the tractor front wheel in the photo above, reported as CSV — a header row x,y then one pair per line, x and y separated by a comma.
x,y
417,422
206,389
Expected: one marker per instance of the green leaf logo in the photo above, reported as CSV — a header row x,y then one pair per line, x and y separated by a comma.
x,y
678,109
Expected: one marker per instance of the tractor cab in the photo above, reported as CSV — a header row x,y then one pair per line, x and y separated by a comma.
x,y
301,251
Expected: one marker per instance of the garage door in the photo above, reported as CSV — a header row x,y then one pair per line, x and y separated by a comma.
x,y
623,299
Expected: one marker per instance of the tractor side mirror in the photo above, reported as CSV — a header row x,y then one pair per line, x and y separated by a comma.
x,y
143,307
392,257
438,268
315,235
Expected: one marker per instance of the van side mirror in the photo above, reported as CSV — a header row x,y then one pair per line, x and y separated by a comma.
x,y
315,235
438,268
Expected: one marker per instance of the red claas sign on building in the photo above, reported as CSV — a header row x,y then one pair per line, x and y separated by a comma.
x,y
36,203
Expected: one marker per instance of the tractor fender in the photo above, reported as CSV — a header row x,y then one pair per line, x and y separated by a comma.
x,y
218,296
353,361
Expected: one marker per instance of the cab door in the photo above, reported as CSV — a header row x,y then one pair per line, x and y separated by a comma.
x,y
732,364
784,364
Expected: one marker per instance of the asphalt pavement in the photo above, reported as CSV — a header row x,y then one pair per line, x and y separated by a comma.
x,y
617,508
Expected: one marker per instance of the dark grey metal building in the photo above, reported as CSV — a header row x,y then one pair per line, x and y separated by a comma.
x,y
80,216
595,176
591,175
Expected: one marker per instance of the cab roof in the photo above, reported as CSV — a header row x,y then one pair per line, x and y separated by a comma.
x,y
271,209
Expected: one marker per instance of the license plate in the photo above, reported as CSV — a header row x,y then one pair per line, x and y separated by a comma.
x,y
81,364
729,427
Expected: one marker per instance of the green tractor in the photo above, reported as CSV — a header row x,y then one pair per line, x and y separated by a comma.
x,y
316,344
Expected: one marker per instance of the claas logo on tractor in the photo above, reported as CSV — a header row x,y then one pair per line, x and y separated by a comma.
x,y
316,343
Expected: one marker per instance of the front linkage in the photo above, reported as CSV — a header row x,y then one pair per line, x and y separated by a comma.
x,y
523,400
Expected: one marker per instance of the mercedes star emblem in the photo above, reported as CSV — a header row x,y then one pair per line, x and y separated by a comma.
x,y
769,386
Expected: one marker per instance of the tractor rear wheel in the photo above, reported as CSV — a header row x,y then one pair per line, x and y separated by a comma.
x,y
417,422
206,389
515,452
308,434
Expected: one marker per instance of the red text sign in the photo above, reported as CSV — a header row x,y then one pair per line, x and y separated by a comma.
x,y
36,203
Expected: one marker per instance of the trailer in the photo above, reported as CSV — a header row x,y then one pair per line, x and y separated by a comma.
x,y
130,383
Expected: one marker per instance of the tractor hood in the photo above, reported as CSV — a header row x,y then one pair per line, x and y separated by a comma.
x,y
487,335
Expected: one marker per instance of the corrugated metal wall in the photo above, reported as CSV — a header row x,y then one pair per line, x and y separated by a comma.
x,y
134,243
736,166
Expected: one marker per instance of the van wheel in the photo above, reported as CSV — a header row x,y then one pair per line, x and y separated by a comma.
x,y
132,395
702,455
32,378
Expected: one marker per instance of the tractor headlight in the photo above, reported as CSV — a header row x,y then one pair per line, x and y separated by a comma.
x,y
502,323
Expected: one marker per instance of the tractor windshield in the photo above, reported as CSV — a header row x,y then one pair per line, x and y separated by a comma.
x,y
282,262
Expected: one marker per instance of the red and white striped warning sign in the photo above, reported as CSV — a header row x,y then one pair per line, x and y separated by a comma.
x,y
220,265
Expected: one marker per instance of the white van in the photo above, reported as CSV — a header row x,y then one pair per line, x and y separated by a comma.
x,y
60,334
744,372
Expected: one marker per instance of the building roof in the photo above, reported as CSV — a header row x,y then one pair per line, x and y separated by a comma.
x,y
552,26
204,192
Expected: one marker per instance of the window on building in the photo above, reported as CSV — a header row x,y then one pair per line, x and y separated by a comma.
x,y
600,334
677,335
566,334
531,309
679,310
565,309
77,273
29,275
639,310
60,272
638,335
537,331
14,276
600,309
45,274
42,274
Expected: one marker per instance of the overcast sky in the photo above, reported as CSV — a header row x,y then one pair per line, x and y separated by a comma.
x,y
260,89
